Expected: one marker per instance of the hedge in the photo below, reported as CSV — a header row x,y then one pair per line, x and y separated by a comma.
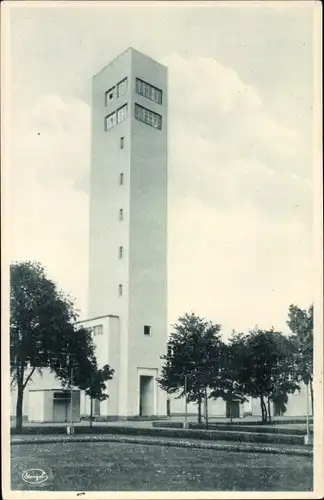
x,y
209,435
233,427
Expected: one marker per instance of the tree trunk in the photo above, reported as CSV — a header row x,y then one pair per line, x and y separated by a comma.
x,y
206,409
91,411
20,396
199,410
269,410
263,409
312,396
19,408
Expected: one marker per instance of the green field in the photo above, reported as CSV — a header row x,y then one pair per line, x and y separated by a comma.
x,y
122,466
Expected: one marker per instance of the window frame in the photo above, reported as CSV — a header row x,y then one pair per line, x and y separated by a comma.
x,y
147,116
118,94
148,91
111,115
109,91
124,115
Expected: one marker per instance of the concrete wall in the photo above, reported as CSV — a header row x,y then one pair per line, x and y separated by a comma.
x,y
45,381
148,231
107,352
36,406
142,233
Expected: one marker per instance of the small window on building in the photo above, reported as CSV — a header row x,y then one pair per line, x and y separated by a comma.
x,y
120,290
147,330
122,140
121,113
121,214
121,251
122,87
110,96
121,179
97,330
110,121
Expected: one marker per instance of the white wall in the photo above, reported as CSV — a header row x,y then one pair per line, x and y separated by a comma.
x,y
148,232
36,406
143,231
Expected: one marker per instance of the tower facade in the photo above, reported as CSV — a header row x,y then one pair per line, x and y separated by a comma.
x,y
128,223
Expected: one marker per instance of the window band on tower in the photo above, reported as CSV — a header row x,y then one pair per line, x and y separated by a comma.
x,y
149,91
147,116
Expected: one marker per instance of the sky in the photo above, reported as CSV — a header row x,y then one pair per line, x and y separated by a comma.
x,y
240,162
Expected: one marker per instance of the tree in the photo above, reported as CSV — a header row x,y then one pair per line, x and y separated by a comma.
x,y
42,332
192,357
97,387
301,324
227,385
265,367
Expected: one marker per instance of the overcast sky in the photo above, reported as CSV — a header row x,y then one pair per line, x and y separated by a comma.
x,y
240,148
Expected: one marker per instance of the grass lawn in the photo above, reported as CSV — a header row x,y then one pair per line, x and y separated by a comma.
x,y
122,466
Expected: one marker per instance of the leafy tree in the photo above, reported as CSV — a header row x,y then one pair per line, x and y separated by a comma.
x,y
97,387
42,332
227,385
265,367
192,357
301,324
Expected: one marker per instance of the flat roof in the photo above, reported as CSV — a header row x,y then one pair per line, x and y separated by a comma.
x,y
96,317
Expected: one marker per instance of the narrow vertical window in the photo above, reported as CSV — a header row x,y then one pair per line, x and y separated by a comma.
x,y
121,214
122,139
147,330
122,113
121,87
121,251
110,96
120,290
121,179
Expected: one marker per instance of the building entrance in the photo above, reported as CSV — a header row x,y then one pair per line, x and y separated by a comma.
x,y
146,406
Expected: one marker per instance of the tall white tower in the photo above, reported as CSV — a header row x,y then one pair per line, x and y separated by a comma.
x,y
128,223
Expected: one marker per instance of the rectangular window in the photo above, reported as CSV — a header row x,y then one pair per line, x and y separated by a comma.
x,y
121,251
121,179
121,214
147,116
120,290
149,91
97,330
122,140
110,96
121,113
122,87
147,330
110,121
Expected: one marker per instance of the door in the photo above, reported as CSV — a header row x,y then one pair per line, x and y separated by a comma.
x,y
60,411
232,409
146,402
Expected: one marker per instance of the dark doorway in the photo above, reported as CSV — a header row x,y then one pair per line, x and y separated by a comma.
x,y
146,396
232,409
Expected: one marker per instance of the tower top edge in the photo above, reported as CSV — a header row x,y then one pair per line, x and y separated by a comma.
x,y
129,50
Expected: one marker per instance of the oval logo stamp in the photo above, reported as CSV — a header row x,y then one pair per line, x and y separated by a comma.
x,y
34,476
